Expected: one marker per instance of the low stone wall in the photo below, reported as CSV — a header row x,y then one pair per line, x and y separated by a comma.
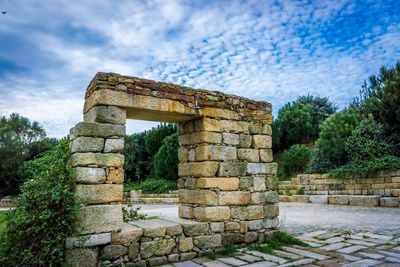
x,y
7,202
137,197
157,242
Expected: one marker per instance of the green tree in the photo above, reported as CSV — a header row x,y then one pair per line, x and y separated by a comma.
x,y
20,140
295,159
166,160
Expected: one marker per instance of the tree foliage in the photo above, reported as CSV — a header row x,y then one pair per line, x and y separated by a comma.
x,y
295,159
166,159
20,140
44,215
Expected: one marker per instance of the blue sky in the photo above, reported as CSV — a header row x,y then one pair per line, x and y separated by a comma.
x,y
265,50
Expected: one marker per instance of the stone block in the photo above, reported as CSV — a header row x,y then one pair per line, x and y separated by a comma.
x,y
210,152
244,226
247,213
173,257
106,114
271,210
206,124
246,183
245,140
262,168
191,228
185,212
266,155
97,159
300,198
88,240
86,144
230,139
207,241
128,234
395,192
261,141
133,251
156,248
271,197
232,226
198,169
183,154
250,237
187,256
234,198
202,197
200,138
97,130
212,214
112,252
99,193
219,113
185,244
158,228
234,169
389,202
231,183
259,183
266,129
82,257
234,126
115,176
255,127
217,227
114,145
249,155
338,200
99,219
157,261
270,223
319,199
366,201
232,238
185,127
285,198
87,175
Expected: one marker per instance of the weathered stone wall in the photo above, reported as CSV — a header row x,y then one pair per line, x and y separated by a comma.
x,y
226,170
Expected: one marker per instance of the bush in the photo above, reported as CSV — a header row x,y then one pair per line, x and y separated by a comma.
x,y
166,160
295,159
152,186
367,141
365,169
44,215
319,161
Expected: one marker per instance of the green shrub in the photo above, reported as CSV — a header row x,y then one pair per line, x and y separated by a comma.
x,y
364,169
44,215
295,160
152,186
367,141
319,161
166,160
277,241
331,142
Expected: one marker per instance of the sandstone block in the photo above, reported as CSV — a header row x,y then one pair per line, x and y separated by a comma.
x,y
112,252
395,192
158,248
89,175
97,130
219,113
232,169
246,183
270,223
300,198
217,227
187,256
255,127
212,214
249,155
231,183
202,197
285,198
255,225
128,234
230,139
222,153
389,201
106,114
98,159
367,201
262,168
234,198
198,169
266,155
185,244
259,183
115,176
82,257
338,200
232,226
200,138
271,197
319,199
247,213
185,212
185,127
99,193
245,140
271,210
257,198
266,129
232,238
86,144
206,124
244,226
250,237
183,154
99,219
262,141
208,241
114,145
234,126
88,240
133,251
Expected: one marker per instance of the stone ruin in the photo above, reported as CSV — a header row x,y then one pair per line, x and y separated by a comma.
x,y
226,180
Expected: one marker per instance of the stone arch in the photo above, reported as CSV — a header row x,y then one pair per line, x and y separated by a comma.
x,y
226,170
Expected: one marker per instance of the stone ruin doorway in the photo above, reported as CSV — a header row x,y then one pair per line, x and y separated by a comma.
x,y
226,174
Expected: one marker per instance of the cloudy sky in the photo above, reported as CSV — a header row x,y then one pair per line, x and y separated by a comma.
x,y
265,50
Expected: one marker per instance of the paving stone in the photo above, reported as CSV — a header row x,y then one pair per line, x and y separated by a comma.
x,y
249,258
363,263
287,255
360,242
397,248
390,254
314,234
334,246
351,249
298,263
333,240
273,258
307,254
313,244
350,257
186,264
392,259
215,263
384,247
380,241
232,261
371,255
375,236
202,260
260,264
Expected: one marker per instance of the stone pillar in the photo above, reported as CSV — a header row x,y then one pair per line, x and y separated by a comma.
x,y
226,173
96,147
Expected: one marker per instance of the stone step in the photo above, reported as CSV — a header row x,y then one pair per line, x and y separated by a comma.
x,y
155,200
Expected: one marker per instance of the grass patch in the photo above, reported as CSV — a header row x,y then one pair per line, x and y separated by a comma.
x,y
277,241
229,251
211,255
152,186
3,220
